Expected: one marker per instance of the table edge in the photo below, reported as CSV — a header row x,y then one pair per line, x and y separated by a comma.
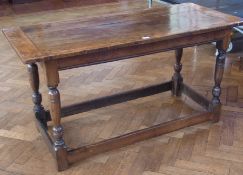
x,y
35,55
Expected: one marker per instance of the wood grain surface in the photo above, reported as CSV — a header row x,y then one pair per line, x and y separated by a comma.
x,y
109,32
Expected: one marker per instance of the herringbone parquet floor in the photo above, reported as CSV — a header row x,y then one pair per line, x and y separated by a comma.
x,y
205,149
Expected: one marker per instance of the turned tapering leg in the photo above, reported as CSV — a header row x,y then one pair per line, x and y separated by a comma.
x,y
177,78
60,148
36,96
59,144
218,76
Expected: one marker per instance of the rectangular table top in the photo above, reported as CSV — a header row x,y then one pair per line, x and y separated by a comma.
x,y
57,40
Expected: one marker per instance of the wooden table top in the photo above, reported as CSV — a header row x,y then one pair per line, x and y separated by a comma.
x,y
57,40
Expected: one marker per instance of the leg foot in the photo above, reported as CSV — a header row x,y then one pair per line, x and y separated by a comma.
x,y
60,148
62,163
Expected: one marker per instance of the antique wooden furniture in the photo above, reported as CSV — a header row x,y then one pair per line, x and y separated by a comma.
x,y
83,42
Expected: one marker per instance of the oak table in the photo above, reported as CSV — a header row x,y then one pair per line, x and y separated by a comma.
x,y
82,42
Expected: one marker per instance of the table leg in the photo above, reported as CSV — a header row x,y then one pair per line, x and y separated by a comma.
x,y
222,46
177,78
52,77
59,144
36,96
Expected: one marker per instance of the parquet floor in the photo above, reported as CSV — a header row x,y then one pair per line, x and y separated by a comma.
x,y
205,149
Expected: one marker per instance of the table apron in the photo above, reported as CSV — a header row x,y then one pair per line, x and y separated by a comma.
x,y
140,50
